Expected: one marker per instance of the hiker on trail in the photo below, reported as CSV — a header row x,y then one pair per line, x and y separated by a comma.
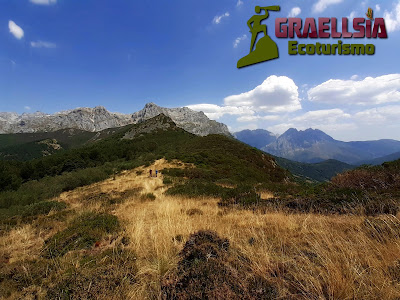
x,y
156,172
151,173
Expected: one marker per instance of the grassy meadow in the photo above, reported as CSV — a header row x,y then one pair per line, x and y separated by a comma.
x,y
126,238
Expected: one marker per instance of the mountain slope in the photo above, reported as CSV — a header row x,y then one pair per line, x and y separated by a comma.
x,y
257,138
322,171
313,146
217,157
381,160
98,118
27,146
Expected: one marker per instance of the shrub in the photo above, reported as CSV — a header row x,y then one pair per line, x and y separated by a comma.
x,y
148,196
167,180
84,231
42,208
208,270
242,195
196,188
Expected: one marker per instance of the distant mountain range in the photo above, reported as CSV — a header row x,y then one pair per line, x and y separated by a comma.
x,y
98,118
315,146
257,138
311,154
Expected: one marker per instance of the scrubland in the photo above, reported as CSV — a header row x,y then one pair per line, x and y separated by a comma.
x,y
125,238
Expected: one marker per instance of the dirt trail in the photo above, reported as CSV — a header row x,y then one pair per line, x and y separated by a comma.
x,y
138,178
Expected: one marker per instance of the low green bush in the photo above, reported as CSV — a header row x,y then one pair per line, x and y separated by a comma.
x,y
148,197
83,233
197,188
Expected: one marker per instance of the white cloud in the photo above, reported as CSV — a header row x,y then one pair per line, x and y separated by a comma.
x,y
378,8
251,126
354,77
15,30
277,94
214,111
370,91
324,116
352,15
217,19
330,120
392,18
321,5
294,12
43,2
239,3
257,118
274,95
379,115
42,44
27,107
238,40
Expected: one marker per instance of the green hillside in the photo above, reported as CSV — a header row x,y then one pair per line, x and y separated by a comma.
x,y
28,146
222,167
217,158
318,172
69,138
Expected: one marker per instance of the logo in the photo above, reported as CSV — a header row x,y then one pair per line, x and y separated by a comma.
x,y
310,28
370,14
266,48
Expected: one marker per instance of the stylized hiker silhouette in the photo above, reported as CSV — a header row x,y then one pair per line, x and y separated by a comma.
x,y
266,49
370,14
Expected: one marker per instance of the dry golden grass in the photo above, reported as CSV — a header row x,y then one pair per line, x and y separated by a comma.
x,y
20,244
306,256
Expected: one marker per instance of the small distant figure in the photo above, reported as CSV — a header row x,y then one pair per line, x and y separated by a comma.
x,y
151,173
156,172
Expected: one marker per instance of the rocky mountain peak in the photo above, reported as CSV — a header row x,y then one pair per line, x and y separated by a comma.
x,y
99,118
308,136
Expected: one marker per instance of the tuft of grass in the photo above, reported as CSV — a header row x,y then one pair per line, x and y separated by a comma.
x,y
102,275
194,211
382,228
107,275
83,233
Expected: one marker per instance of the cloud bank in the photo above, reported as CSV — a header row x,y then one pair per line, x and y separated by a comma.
x,y
369,91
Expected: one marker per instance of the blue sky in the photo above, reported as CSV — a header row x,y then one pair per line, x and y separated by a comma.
x,y
61,54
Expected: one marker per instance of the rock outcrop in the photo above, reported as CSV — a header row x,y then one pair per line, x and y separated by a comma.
x,y
98,118
195,122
